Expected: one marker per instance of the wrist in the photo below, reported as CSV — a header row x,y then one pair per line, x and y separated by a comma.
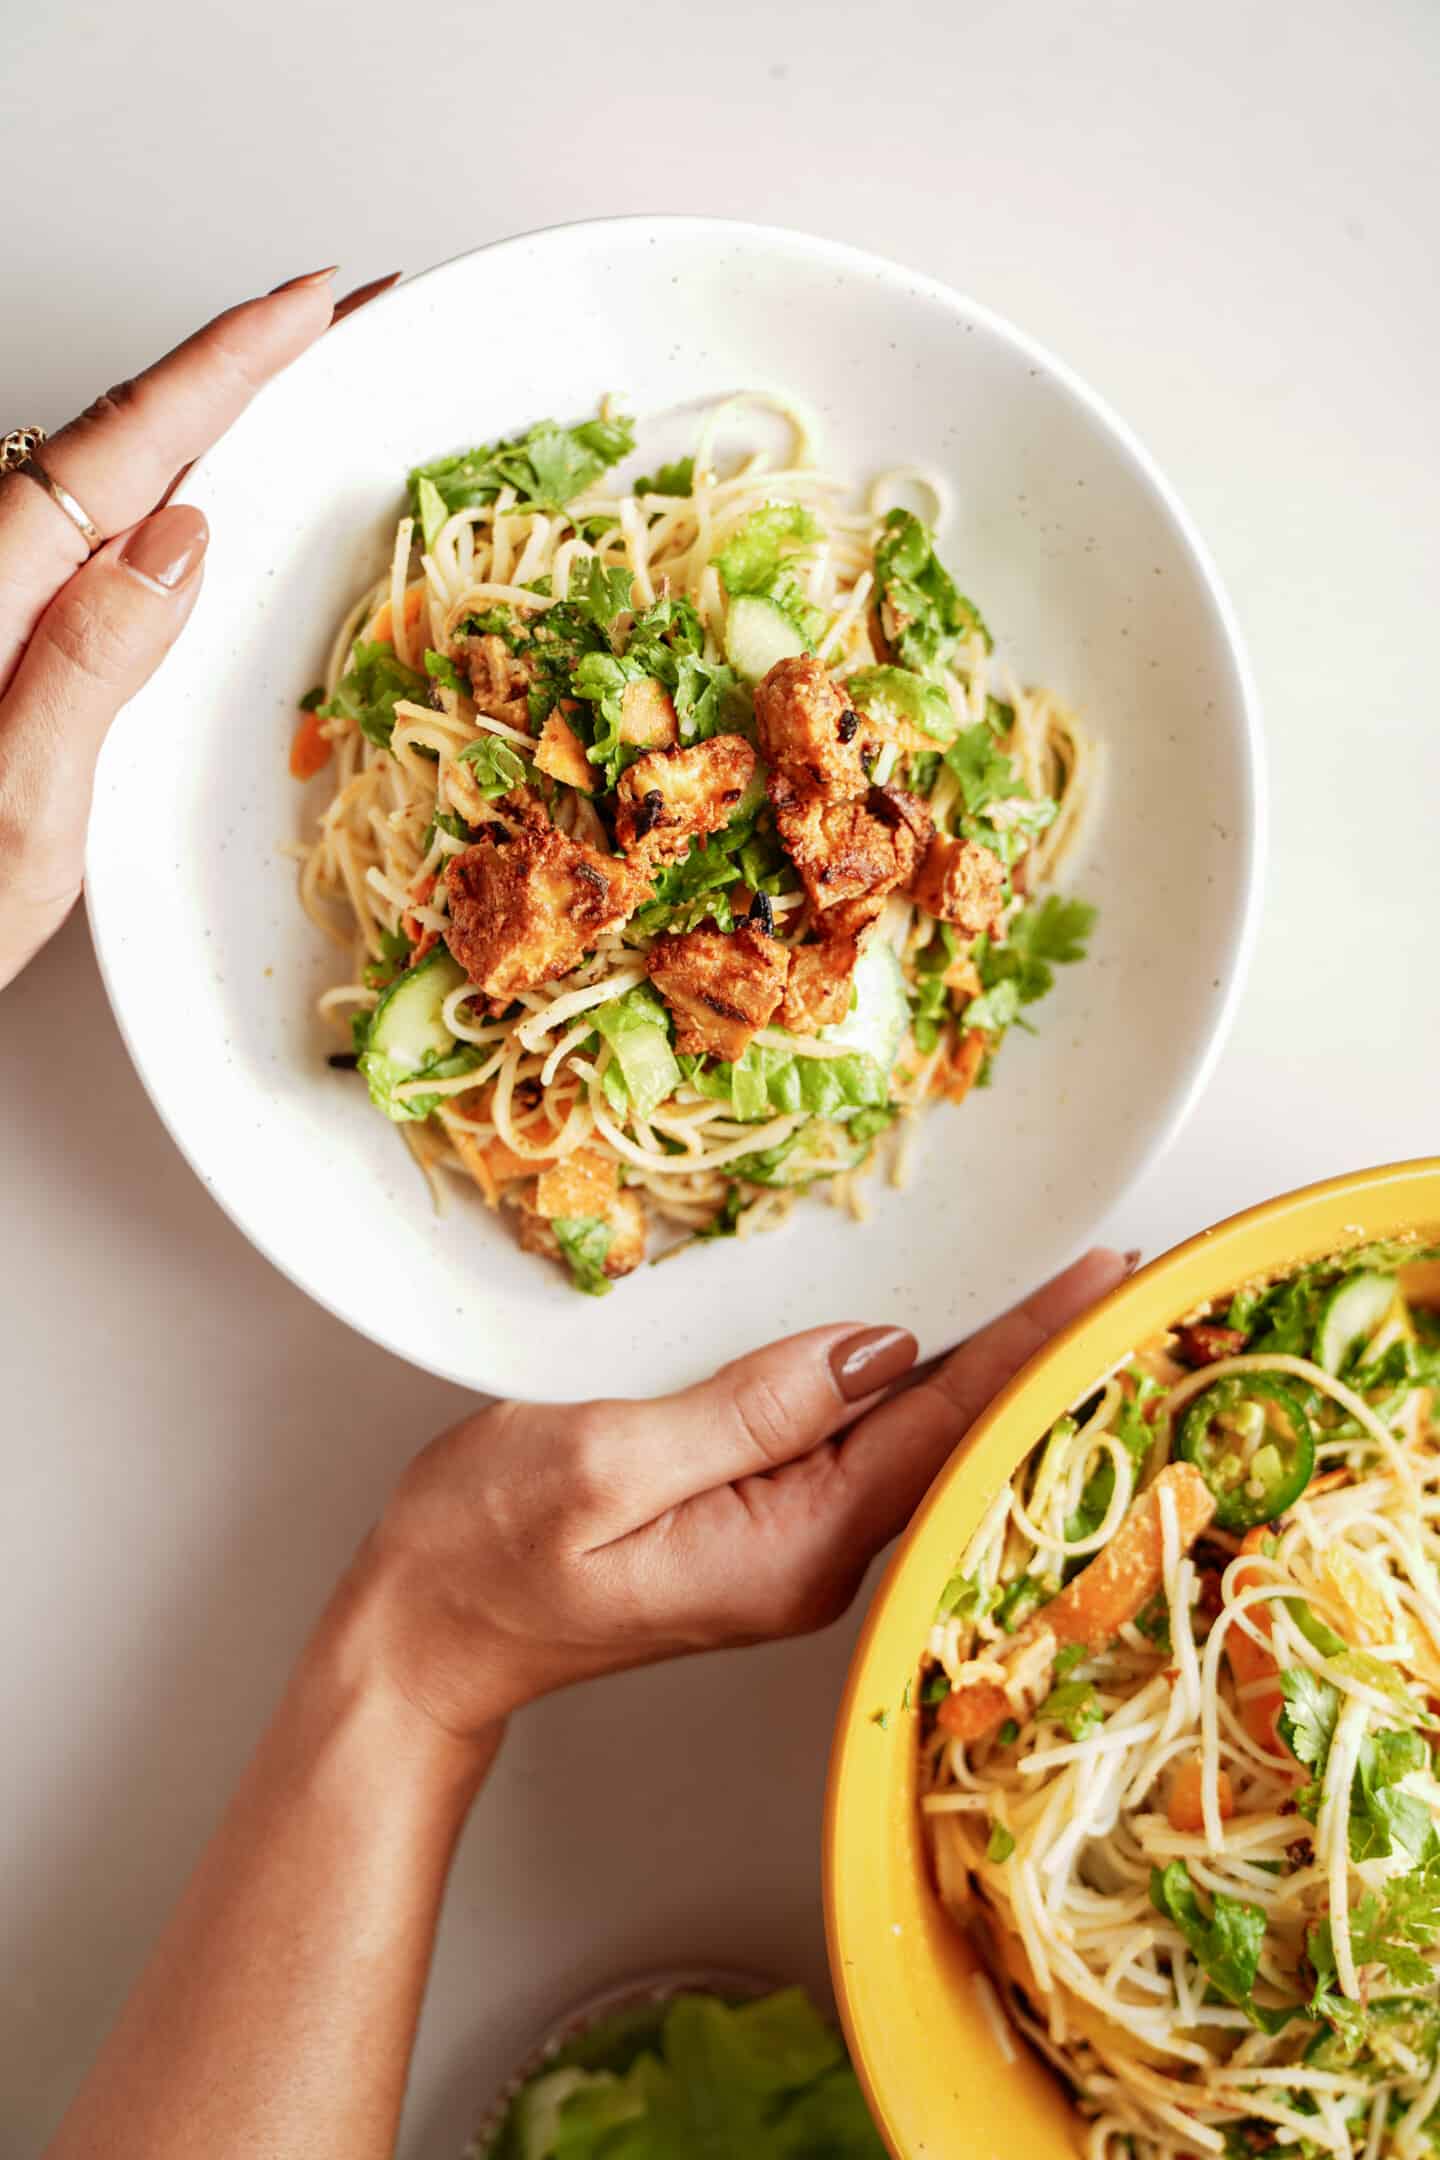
x,y
359,1662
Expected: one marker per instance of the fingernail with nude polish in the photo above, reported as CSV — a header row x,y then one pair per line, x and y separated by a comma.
x,y
370,291
166,550
873,1359
311,277
1131,1259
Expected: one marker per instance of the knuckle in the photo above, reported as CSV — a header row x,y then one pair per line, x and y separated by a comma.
x,y
88,639
765,1418
588,1480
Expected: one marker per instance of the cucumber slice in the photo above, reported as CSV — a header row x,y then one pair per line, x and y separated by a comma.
x,y
408,1032
877,1020
1353,1312
757,634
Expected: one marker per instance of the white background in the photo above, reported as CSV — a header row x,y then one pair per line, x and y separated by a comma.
x,y
1226,217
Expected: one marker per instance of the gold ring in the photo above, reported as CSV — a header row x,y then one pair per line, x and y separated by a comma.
x,y
17,455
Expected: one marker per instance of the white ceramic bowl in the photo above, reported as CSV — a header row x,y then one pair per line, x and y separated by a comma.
x,y
1087,571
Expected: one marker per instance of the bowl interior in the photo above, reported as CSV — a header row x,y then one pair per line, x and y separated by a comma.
x,y
1090,580
941,2068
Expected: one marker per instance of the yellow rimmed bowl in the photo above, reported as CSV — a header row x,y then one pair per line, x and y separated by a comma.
x,y
945,2078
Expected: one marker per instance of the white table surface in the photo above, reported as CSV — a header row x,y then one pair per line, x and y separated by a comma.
x,y
1225,217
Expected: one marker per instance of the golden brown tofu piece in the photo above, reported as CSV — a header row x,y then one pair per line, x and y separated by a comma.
x,y
580,1184
721,987
624,1211
668,798
526,910
647,715
808,730
562,755
962,882
498,679
856,848
817,989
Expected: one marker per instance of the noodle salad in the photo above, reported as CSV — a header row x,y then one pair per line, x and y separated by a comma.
x,y
1179,1719
682,842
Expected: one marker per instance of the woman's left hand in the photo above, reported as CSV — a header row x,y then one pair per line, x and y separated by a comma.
x,y
81,632
531,1546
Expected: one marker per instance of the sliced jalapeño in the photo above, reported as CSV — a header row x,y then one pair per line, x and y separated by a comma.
x,y
1250,1438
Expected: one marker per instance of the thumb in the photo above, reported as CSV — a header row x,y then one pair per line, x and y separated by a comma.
x,y
754,1415
100,639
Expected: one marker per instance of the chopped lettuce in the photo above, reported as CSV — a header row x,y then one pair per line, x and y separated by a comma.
x,y
767,1083
637,1029
767,2079
894,693
383,1075
585,1241
754,560
372,686
430,507
546,466
931,618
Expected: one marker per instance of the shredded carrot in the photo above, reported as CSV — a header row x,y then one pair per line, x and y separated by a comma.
x,y
1185,1809
1092,1609
310,748
382,624
1251,1664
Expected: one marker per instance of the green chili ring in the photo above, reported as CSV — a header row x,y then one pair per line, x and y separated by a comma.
x,y
1252,1481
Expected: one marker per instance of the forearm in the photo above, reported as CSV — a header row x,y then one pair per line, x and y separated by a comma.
x,y
277,2013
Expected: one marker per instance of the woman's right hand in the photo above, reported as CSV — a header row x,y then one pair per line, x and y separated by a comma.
x,y
79,632
532,1546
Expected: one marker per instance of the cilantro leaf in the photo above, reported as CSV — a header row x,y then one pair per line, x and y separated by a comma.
x,y
1226,1944
372,686
1389,1930
1307,1722
547,466
585,1241
1048,934
927,618
673,479
440,668
985,774
496,764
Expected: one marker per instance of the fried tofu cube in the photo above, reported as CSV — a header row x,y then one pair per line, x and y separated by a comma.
x,y
647,715
624,1212
962,883
580,1184
817,989
562,754
856,848
807,728
721,987
527,910
668,798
